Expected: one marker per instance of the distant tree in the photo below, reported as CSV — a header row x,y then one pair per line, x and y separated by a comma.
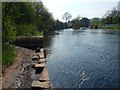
x,y
85,22
95,22
111,17
76,22
67,16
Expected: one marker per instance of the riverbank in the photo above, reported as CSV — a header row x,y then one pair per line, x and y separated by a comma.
x,y
17,74
111,27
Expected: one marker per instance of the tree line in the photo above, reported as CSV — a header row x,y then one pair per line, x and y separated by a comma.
x,y
24,19
111,17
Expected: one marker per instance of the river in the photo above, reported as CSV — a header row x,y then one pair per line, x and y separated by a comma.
x,y
83,58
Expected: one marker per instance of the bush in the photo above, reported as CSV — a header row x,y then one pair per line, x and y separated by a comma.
x,y
8,54
27,30
9,30
23,30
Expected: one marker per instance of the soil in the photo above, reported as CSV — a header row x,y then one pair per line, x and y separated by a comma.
x,y
18,75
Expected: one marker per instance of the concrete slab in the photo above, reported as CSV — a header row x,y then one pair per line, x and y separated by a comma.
x,y
44,75
38,84
41,65
41,60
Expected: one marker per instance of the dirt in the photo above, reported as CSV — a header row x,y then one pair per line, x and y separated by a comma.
x,y
18,75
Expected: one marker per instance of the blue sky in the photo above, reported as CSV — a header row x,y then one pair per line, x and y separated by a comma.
x,y
84,8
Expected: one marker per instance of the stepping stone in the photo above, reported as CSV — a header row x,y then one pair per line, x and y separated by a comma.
x,y
42,60
41,49
42,54
41,65
44,75
37,54
35,57
38,84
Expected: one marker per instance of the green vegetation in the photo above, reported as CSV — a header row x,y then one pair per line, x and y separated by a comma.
x,y
111,27
0,48
95,23
33,18
111,20
8,54
22,19
80,22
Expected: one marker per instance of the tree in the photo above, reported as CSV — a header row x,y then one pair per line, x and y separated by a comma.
x,y
111,17
66,16
76,22
95,22
85,22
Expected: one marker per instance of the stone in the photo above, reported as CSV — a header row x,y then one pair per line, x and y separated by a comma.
x,y
41,61
38,84
42,55
44,75
41,65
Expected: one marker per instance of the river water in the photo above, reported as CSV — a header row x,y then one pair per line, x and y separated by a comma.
x,y
83,58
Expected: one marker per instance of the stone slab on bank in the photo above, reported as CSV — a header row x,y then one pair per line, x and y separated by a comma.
x,y
38,84
44,75
41,65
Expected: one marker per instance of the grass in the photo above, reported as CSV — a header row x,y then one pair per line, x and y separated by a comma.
x,y
111,27
0,58
8,54
0,48
36,33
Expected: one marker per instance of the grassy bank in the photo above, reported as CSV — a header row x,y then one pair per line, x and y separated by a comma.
x,y
0,48
111,27
8,54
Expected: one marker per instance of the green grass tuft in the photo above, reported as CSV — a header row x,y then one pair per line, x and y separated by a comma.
x,y
8,54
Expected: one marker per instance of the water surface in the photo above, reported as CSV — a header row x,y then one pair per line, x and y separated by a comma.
x,y
83,58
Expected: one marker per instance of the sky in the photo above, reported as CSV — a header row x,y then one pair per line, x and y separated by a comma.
x,y
83,8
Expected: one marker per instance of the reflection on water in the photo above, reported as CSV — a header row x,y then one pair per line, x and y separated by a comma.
x,y
83,58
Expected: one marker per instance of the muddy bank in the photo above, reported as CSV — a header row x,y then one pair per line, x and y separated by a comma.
x,y
18,75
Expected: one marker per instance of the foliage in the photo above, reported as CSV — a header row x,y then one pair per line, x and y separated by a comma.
x,y
67,16
8,54
111,17
76,22
85,22
59,25
23,19
95,22
80,22
9,30
111,27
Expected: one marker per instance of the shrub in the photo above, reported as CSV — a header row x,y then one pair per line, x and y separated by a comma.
x,y
8,54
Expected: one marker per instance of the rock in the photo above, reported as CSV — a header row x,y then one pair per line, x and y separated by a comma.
x,y
41,65
38,84
44,75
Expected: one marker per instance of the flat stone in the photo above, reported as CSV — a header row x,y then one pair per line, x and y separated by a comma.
x,y
39,84
41,49
42,60
44,75
41,65
37,54
41,54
